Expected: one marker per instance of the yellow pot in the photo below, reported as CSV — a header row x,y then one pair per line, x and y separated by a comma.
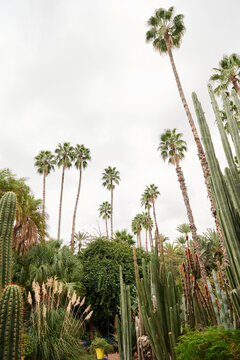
x,y
22,357
100,353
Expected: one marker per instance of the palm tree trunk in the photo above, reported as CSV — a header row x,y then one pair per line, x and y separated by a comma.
x,y
150,230
156,226
191,220
137,239
146,241
106,226
43,205
235,84
60,204
111,210
140,240
75,207
201,154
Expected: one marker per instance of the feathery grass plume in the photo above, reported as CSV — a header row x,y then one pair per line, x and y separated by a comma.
x,y
88,316
83,301
29,298
55,327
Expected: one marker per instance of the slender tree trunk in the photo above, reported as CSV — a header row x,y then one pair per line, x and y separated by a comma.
x,y
191,220
137,239
140,240
43,205
201,153
60,204
235,84
146,240
106,226
150,230
75,207
156,226
111,210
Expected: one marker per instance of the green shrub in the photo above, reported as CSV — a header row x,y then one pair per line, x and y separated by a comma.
x,y
211,344
100,343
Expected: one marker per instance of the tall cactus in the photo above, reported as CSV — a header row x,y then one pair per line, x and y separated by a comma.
x,y
206,305
7,216
11,323
11,300
124,332
225,190
159,304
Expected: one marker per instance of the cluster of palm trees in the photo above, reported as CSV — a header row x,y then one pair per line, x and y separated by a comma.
x,y
166,32
65,156
110,178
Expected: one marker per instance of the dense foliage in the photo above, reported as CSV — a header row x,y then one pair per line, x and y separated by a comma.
x,y
211,344
100,261
46,260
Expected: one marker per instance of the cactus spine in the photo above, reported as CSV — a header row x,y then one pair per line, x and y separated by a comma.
x,y
124,332
11,300
225,190
159,306
7,216
10,323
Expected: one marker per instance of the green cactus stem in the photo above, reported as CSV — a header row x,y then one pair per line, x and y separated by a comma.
x,y
11,323
7,216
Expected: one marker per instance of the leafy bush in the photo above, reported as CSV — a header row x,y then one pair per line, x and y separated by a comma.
x,y
211,344
100,343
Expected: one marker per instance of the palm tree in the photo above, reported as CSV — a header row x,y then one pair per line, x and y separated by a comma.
x,y
29,225
109,177
227,73
166,33
145,201
137,228
184,229
105,213
80,237
64,158
81,156
124,237
172,147
151,193
147,223
44,162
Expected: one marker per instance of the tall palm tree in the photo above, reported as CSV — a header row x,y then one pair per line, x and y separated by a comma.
x,y
145,201
172,147
137,228
64,158
105,213
227,73
147,224
109,177
184,229
151,193
44,163
81,156
166,32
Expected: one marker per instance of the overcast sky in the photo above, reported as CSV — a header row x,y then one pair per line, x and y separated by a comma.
x,y
81,72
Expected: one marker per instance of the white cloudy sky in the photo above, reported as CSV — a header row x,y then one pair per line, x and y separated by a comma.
x,y
80,71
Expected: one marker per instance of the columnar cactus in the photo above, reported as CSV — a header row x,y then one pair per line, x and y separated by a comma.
x,y
204,306
11,323
11,300
225,189
124,326
7,216
159,304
